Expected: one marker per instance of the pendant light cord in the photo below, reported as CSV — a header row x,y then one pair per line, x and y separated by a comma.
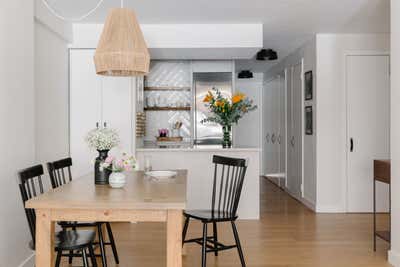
x,y
55,13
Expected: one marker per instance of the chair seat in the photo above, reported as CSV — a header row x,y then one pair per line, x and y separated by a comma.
x,y
77,224
210,216
73,240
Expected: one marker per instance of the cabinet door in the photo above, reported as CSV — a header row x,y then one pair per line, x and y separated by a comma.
x,y
282,126
297,131
276,123
85,111
267,148
290,138
118,110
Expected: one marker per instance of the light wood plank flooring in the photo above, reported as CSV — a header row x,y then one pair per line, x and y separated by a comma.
x,y
288,235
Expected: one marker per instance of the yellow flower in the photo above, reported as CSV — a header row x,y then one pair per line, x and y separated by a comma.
x,y
219,103
238,97
208,97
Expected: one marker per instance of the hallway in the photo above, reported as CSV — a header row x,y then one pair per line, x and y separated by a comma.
x,y
288,235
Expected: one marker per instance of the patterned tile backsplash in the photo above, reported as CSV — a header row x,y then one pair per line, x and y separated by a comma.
x,y
169,73
165,74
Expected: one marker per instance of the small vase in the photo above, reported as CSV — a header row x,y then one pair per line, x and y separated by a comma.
x,y
117,180
101,175
227,140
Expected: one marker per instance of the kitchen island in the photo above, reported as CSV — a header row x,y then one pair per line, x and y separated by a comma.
x,y
198,162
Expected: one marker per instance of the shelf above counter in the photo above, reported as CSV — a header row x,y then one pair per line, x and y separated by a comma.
x,y
167,109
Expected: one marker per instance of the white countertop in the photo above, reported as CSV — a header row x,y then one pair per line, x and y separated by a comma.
x,y
199,149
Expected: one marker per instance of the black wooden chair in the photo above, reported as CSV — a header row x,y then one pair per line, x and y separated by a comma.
x,y
229,175
72,240
60,174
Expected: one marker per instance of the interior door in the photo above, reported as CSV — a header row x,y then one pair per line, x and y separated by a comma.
x,y
368,96
295,131
85,109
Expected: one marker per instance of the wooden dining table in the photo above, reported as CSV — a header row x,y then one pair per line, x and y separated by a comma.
x,y
143,199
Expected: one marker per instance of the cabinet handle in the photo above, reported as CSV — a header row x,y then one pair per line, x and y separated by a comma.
x,y
292,141
273,138
351,145
97,125
279,139
267,137
105,124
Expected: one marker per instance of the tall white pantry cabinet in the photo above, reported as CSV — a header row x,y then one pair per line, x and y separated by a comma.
x,y
98,101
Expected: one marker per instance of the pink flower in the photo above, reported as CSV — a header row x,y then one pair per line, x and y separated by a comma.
x,y
119,163
128,168
109,159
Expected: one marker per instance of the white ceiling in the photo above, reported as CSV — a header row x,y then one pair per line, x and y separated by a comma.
x,y
287,23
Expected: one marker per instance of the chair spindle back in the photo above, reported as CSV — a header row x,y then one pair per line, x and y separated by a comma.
x,y
60,172
228,181
30,186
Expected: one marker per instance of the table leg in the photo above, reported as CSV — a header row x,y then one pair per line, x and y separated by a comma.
x,y
174,238
184,252
44,239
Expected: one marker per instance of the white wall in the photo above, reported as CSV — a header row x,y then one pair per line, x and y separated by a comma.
x,y
17,125
51,94
394,253
308,53
248,132
331,113
325,181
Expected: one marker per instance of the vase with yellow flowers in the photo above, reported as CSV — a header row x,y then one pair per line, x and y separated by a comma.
x,y
227,111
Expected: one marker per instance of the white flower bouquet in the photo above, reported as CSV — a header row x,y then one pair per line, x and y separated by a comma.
x,y
102,139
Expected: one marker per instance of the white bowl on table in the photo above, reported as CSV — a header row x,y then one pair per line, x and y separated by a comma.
x,y
161,175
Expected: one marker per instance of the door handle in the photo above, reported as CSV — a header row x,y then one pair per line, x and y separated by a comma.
x,y
351,144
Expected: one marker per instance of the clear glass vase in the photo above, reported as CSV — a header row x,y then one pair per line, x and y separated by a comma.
x,y
227,136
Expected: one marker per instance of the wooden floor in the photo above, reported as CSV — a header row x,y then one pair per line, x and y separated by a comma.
x,y
288,235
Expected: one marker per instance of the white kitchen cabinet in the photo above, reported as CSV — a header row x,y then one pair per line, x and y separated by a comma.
x,y
282,122
97,100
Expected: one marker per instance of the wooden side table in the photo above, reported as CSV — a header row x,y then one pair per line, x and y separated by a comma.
x,y
381,174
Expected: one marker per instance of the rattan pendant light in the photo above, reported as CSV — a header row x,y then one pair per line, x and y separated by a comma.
x,y
122,50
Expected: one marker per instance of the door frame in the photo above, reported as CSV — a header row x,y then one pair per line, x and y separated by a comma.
x,y
346,154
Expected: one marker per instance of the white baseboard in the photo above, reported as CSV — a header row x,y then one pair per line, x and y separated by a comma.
x,y
394,258
330,209
309,204
306,202
28,262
